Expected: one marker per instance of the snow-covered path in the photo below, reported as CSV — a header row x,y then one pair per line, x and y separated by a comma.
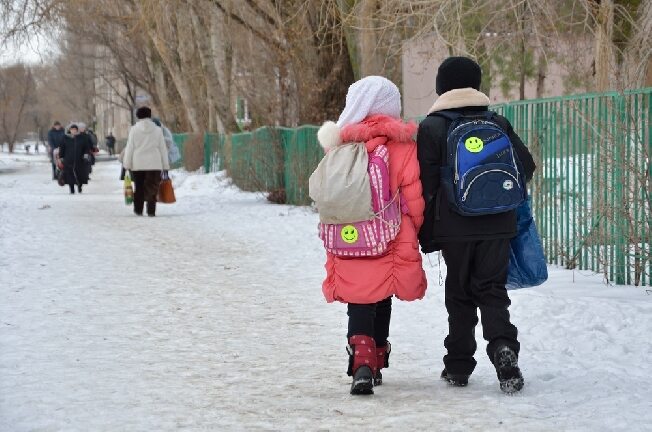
x,y
210,317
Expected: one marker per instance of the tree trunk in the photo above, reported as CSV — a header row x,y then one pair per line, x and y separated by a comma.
x,y
160,40
370,63
604,44
222,53
542,68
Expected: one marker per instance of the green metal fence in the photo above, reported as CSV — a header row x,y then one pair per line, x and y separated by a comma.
x,y
592,192
301,154
268,159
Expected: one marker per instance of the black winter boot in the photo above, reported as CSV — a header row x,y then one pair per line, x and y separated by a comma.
x,y
509,375
457,380
363,383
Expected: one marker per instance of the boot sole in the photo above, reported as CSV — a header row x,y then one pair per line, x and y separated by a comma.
x,y
362,387
509,375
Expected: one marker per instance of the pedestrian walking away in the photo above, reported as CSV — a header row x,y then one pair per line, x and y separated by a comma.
x,y
110,143
146,156
363,276
470,217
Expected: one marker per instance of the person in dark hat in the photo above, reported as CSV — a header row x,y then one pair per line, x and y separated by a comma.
x,y
476,248
55,137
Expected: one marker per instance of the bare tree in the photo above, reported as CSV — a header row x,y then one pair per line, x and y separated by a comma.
x,y
16,94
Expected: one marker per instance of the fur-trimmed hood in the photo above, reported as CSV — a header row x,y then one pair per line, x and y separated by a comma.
x,y
460,98
375,126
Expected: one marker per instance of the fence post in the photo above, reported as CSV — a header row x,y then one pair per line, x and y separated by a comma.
x,y
621,138
208,154
509,112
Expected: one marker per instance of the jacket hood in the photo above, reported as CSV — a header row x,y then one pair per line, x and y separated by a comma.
x,y
146,125
375,126
460,98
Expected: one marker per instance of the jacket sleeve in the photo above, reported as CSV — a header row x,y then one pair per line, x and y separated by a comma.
x,y
429,156
51,139
522,152
163,150
411,189
128,159
431,131
88,146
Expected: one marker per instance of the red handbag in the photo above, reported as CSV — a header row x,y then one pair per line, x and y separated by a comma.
x,y
165,190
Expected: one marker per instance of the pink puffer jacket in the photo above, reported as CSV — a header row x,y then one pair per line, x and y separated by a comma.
x,y
399,271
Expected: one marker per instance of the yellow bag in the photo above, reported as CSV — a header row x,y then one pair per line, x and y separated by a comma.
x,y
129,190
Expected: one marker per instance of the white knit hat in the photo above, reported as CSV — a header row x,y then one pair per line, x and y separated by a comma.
x,y
368,96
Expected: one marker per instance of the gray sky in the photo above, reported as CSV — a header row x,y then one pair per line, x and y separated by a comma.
x,y
36,50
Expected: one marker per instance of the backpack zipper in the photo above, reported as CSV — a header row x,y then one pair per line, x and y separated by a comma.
x,y
468,188
514,162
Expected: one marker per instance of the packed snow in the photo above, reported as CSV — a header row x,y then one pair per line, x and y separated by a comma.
x,y
210,317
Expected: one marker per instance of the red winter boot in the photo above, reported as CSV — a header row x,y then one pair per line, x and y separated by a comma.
x,y
362,364
382,361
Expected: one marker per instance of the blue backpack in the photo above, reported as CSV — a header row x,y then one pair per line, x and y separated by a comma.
x,y
481,175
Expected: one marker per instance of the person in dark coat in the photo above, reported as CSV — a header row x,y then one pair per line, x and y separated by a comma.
x,y
92,138
110,143
476,249
55,137
75,151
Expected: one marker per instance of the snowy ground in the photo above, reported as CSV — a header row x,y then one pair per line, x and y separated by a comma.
x,y
210,317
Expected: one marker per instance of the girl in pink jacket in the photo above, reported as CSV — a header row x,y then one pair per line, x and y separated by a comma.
x,y
367,284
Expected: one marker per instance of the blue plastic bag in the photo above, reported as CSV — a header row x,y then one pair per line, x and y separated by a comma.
x,y
527,261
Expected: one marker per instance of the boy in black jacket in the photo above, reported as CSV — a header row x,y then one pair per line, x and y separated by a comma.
x,y
476,249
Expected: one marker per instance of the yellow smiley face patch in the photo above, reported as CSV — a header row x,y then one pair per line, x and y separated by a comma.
x,y
349,234
474,144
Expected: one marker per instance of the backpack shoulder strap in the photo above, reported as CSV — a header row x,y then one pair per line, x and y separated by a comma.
x,y
491,116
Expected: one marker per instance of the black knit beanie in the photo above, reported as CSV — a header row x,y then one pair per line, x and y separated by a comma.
x,y
458,72
143,112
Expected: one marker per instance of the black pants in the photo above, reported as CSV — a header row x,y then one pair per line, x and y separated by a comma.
x,y
371,320
146,188
477,272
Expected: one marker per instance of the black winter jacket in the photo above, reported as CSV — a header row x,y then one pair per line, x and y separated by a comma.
x,y
75,165
55,138
441,224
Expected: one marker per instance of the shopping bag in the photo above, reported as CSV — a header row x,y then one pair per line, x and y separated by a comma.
x,y
165,190
527,261
61,177
128,189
